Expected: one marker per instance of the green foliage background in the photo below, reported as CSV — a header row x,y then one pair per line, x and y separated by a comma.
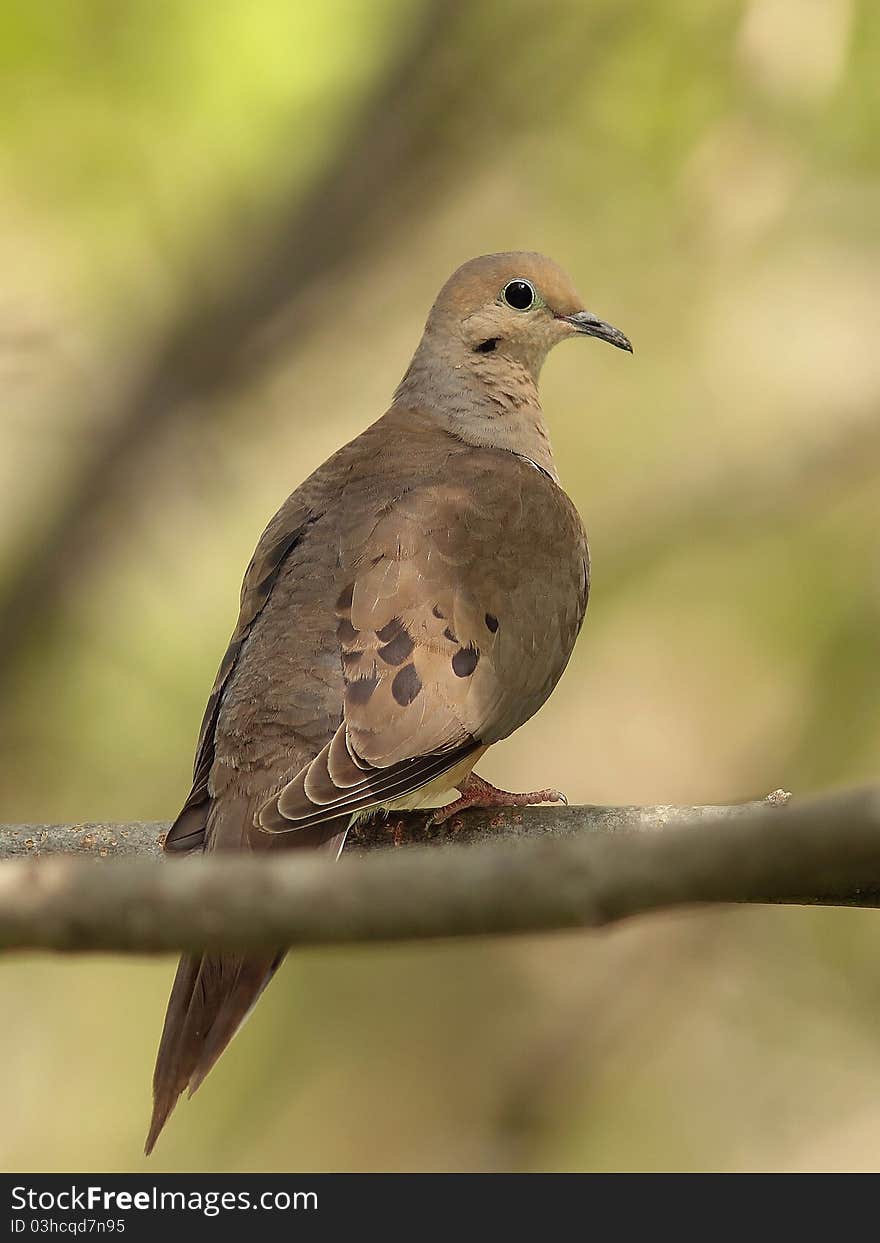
x,y
710,173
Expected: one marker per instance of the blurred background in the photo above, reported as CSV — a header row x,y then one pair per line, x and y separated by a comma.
x,y
221,228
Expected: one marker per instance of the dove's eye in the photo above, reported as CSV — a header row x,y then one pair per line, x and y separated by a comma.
x,y
519,294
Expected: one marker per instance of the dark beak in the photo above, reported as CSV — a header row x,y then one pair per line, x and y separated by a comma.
x,y
591,326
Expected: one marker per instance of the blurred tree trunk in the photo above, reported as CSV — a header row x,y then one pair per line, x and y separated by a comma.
x,y
435,116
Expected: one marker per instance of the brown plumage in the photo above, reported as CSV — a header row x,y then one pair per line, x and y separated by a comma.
x,y
413,602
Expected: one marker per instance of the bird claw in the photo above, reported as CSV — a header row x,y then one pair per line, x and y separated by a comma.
x,y
479,793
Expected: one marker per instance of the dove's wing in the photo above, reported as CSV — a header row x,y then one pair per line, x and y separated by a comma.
x,y
281,537
459,608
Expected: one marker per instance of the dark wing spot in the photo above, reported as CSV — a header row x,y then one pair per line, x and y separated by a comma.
x,y
449,634
464,662
438,613
390,631
398,650
346,632
351,658
406,685
360,690
343,604
491,622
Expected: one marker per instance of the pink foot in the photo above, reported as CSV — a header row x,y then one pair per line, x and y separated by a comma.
x,y
479,793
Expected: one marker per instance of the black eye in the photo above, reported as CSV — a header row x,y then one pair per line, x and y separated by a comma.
x,y
518,294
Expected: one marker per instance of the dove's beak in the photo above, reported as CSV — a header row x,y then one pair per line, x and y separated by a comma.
x,y
590,325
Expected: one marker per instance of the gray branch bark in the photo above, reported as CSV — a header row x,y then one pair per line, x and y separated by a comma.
x,y
555,874
102,840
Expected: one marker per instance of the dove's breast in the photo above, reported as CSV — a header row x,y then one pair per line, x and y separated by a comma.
x,y
534,585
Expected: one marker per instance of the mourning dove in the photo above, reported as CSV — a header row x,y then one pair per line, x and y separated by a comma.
x,y
413,602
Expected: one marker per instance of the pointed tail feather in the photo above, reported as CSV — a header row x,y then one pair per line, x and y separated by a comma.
x,y
211,997
210,1000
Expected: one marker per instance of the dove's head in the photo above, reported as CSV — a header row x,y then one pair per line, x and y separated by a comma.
x,y
517,306
477,366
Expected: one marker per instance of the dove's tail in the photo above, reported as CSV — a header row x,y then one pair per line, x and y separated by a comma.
x,y
211,997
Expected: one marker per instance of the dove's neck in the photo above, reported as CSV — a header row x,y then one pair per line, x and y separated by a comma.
x,y
488,400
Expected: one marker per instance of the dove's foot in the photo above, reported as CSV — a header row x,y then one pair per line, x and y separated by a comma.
x,y
479,793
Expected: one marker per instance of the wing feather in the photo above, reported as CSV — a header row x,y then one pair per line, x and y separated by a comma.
x,y
446,643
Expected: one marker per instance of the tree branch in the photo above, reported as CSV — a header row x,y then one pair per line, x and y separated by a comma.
x,y
820,850
102,840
